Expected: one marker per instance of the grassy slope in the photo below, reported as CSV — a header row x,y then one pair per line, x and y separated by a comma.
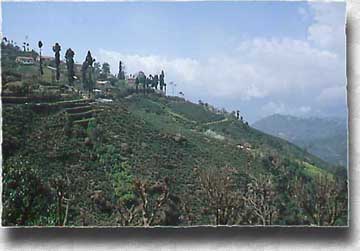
x,y
143,132
148,126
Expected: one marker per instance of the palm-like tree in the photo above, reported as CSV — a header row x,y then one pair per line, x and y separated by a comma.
x,y
57,49
40,44
69,56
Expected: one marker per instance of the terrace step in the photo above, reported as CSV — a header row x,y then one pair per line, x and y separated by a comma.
x,y
83,122
78,109
80,115
74,103
23,100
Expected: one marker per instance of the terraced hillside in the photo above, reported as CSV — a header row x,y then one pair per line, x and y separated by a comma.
x,y
156,160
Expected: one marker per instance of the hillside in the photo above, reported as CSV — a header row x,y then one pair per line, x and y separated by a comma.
x,y
323,137
144,158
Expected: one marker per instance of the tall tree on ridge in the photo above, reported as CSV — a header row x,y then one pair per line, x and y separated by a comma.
x,y
89,79
137,84
57,49
40,44
97,70
121,74
69,56
156,81
162,81
105,70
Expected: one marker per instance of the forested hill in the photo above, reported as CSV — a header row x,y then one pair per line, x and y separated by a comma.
x,y
323,137
136,157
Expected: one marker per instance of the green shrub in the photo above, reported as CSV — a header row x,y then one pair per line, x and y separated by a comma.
x,y
26,197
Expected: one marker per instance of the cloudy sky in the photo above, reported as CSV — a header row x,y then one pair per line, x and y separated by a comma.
x,y
258,57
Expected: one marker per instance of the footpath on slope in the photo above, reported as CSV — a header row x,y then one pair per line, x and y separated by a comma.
x,y
177,115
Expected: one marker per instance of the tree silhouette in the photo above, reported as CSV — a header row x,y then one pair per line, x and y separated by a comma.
x,y
142,79
156,81
40,44
105,70
162,81
97,70
137,84
148,81
69,56
57,49
121,74
87,73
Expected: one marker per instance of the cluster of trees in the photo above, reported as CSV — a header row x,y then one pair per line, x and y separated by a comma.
x,y
8,42
87,70
152,82
16,50
272,199
25,45
90,71
102,71
234,114
256,200
238,117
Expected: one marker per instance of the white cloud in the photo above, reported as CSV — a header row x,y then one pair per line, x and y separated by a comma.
x,y
258,68
180,68
328,29
332,96
281,108
312,69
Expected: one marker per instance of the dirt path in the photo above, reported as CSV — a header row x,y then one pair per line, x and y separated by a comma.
x,y
129,96
177,115
216,122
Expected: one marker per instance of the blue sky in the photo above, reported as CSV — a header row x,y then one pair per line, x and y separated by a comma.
x,y
258,57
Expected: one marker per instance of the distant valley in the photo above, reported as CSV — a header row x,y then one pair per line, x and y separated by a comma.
x,y
323,137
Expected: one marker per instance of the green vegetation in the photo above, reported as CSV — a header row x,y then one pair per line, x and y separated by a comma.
x,y
148,159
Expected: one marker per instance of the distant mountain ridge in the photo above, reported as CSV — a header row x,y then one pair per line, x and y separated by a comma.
x,y
323,137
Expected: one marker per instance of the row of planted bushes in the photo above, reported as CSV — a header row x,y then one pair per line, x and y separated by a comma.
x,y
31,99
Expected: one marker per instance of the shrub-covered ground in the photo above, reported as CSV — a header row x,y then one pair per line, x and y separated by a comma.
x,y
156,160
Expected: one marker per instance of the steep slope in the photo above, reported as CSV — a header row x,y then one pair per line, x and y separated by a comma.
x,y
323,137
143,137
149,160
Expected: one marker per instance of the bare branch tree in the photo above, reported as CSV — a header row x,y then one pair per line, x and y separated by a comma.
x,y
223,200
154,205
324,201
260,199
